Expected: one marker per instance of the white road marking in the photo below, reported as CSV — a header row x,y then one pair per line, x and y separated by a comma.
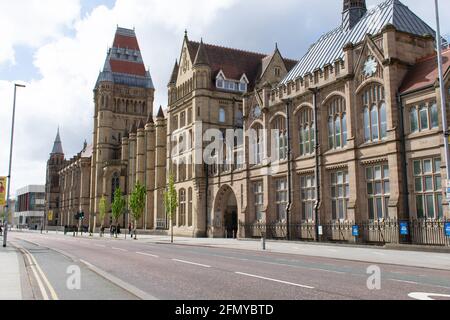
x,y
192,263
100,245
119,249
274,280
426,296
404,281
147,254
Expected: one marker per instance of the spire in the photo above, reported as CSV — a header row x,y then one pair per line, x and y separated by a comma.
x,y
174,77
133,128
202,57
141,125
353,11
160,113
57,145
150,119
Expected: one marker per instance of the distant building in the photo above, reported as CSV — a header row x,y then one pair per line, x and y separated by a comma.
x,y
30,207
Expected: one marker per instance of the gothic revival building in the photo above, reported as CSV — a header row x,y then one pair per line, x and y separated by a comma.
x,y
349,134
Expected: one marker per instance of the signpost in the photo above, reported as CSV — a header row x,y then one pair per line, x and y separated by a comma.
x,y
355,231
447,229
404,228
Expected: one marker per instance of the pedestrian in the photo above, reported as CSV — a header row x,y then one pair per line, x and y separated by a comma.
x,y
129,228
1,230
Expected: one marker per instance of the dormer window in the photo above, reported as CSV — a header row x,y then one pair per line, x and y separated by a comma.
x,y
242,87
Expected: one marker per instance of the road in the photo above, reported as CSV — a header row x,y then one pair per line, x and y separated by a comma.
x,y
128,269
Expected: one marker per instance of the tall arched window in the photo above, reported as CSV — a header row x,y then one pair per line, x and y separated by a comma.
x,y
306,131
115,184
375,114
182,209
281,139
337,123
257,143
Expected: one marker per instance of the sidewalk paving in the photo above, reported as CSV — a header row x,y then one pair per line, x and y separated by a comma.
x,y
10,283
369,254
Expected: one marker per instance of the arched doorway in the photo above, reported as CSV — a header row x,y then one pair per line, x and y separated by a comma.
x,y
226,211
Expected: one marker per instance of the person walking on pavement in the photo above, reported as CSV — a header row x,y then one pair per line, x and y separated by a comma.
x,y
129,228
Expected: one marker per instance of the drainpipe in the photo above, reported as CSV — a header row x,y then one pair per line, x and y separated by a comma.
x,y
289,163
315,91
403,157
206,198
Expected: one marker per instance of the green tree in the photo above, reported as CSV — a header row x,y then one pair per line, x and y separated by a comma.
x,y
101,214
171,202
137,204
117,207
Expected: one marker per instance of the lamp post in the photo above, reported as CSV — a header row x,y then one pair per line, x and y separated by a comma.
x,y
5,234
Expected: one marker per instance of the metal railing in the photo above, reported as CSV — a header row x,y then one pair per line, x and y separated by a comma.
x,y
417,232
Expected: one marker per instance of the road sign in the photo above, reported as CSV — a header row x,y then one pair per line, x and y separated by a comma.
x,y
355,231
2,191
320,231
447,229
404,229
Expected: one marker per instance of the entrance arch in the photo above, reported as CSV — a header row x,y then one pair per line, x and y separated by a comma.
x,y
226,213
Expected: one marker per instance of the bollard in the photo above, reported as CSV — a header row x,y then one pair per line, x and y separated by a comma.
x,y
263,242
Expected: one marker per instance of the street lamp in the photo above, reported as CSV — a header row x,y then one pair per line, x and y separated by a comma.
x,y
5,234
442,94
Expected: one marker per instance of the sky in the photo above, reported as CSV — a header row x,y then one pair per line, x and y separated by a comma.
x,y
57,48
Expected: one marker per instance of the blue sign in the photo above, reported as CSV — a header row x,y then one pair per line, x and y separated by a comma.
x,y
447,229
355,231
404,230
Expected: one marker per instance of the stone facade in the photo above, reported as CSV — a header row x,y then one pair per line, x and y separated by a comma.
x,y
351,133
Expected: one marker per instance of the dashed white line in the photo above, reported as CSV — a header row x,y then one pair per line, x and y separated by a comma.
x,y
147,254
274,280
404,281
192,263
119,249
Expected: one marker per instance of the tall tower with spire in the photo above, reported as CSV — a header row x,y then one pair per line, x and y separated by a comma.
x,y
123,97
353,11
52,183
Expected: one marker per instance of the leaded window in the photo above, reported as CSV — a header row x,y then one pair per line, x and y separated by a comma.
x,y
182,208
340,192
378,191
281,198
337,123
428,188
374,114
306,132
258,190
281,138
423,117
308,197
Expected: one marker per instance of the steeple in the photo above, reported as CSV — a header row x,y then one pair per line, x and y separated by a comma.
x,y
160,113
174,77
57,145
201,59
353,11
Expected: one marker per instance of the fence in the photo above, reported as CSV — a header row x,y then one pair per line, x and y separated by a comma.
x,y
419,232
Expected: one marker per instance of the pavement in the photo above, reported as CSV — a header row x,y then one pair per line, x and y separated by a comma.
x,y
10,277
227,269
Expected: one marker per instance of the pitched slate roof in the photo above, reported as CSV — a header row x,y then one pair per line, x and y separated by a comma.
x,y
124,63
425,73
233,62
329,47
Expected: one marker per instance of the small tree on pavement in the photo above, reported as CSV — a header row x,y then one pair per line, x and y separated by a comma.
x,y
117,207
137,204
101,214
171,202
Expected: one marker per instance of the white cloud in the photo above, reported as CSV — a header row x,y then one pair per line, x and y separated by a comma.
x,y
69,62
32,22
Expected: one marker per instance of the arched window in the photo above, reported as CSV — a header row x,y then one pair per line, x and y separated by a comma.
x,y
115,184
182,209
337,123
190,220
257,143
222,115
424,117
375,114
306,132
281,139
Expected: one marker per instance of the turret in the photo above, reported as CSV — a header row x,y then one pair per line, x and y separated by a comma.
x,y
353,11
202,68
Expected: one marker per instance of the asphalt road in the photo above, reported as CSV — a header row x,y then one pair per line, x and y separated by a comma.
x,y
173,272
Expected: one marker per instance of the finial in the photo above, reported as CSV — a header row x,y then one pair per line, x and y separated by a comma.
x,y
185,33
276,45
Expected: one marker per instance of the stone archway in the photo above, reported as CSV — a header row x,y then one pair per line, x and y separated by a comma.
x,y
226,214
